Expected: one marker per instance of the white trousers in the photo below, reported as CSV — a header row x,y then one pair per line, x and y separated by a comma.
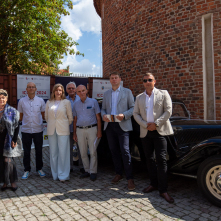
x,y
86,137
59,156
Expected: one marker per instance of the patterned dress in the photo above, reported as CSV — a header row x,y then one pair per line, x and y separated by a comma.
x,y
8,172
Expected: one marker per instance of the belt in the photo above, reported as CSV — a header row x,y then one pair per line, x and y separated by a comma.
x,y
86,127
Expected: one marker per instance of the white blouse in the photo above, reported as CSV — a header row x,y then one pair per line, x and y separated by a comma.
x,y
55,106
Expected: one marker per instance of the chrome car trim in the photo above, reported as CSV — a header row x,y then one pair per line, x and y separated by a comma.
x,y
186,175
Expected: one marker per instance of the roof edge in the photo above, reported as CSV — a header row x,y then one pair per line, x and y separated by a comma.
x,y
97,5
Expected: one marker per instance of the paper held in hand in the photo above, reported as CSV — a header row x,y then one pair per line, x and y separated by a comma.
x,y
96,142
112,118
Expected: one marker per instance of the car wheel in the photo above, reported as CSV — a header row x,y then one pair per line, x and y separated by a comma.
x,y
209,179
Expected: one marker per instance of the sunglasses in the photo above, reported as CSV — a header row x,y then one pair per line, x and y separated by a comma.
x,y
4,94
149,80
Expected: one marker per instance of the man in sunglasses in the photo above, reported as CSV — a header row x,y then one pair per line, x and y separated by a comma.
x,y
72,97
117,109
152,111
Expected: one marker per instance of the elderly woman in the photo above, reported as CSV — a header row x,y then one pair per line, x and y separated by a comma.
x,y
58,114
10,143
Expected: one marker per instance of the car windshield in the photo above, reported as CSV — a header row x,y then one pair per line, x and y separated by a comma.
x,y
179,110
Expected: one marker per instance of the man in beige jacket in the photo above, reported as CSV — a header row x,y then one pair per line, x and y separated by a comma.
x,y
152,111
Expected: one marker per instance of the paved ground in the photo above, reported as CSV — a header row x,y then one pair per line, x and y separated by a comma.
x,y
44,199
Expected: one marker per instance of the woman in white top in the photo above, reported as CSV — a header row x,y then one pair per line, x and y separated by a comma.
x,y
58,114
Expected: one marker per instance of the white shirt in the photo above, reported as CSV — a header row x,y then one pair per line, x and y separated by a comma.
x,y
149,107
31,108
114,99
55,106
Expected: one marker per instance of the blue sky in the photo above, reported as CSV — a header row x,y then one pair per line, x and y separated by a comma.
x,y
84,26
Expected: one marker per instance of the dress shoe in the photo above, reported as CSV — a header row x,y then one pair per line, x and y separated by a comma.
x,y
14,188
149,189
76,163
93,176
62,181
82,170
3,188
131,185
84,175
167,197
116,179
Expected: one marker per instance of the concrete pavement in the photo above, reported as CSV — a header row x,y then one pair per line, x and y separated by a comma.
x,y
81,199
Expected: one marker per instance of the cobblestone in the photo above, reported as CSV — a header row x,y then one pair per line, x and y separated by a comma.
x,y
45,199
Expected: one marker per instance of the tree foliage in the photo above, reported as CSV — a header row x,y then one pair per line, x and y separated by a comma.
x,y
31,40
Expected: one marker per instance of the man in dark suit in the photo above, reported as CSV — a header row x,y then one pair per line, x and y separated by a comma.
x,y
117,109
152,111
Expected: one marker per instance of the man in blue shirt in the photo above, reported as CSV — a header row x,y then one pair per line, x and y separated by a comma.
x,y
72,97
87,128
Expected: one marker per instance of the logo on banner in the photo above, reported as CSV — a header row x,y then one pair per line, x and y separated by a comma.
x,y
41,92
42,84
98,91
99,95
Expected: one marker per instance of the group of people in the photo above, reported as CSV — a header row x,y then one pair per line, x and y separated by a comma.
x,y
78,118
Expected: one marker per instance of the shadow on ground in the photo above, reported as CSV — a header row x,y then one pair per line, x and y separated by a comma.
x,y
83,191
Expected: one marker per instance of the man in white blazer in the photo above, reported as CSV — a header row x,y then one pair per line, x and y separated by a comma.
x,y
152,111
118,104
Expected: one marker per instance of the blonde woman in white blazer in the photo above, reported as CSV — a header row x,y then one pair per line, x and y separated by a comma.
x,y
58,114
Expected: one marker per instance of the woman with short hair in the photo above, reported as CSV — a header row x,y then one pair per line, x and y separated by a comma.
x,y
10,142
58,114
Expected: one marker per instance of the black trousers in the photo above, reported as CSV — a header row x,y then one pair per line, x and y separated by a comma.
x,y
8,172
118,141
157,170
38,142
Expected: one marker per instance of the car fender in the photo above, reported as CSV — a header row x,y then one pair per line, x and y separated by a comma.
x,y
198,153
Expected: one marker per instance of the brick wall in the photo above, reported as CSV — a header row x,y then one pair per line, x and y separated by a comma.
x,y
163,37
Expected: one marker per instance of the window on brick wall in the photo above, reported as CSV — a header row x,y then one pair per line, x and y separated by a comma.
x,y
208,67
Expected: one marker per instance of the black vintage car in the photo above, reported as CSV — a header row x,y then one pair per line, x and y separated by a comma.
x,y
193,151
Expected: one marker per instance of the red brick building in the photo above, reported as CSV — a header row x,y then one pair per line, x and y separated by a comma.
x,y
178,41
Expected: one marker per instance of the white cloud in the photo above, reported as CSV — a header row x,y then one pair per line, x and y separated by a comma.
x,y
84,67
83,18
69,27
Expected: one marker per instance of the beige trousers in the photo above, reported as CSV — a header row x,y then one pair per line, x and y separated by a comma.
x,y
86,138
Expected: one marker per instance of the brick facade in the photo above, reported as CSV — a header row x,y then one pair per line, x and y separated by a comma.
x,y
163,37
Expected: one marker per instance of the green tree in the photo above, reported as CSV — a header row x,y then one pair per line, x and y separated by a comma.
x,y
31,40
